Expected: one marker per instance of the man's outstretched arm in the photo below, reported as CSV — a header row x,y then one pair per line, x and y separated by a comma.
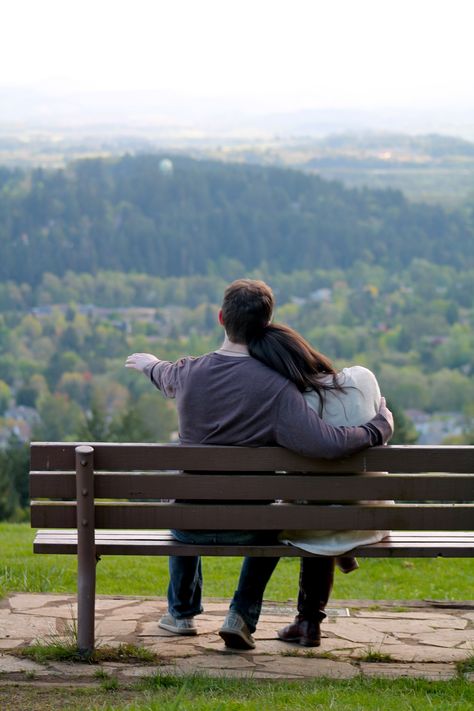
x,y
163,374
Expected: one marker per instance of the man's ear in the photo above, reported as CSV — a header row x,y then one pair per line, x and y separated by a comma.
x,y
219,316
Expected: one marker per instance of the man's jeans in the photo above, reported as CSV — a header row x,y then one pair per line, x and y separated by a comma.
x,y
185,587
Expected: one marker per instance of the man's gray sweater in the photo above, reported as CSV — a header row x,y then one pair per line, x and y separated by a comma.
x,y
226,400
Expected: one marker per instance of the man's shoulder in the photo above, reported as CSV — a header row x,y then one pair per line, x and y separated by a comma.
x,y
253,368
265,371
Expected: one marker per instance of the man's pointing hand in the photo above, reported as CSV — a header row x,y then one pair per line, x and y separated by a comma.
x,y
139,361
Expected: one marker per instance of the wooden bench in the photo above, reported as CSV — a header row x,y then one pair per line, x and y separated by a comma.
x,y
110,499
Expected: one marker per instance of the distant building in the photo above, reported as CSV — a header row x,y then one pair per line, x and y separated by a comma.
x,y
434,428
18,421
321,295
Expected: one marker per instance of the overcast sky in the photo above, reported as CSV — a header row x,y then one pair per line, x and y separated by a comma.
x,y
269,54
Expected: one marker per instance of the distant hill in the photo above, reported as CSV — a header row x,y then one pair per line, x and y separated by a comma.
x,y
60,106
128,214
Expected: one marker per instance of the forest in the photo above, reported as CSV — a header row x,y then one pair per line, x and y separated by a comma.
x,y
107,257
126,215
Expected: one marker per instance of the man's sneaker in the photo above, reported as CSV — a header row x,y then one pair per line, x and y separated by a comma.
x,y
235,632
172,624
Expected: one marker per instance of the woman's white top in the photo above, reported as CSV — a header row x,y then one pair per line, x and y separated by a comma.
x,y
356,406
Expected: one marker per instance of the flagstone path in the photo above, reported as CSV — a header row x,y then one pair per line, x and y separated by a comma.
x,y
416,639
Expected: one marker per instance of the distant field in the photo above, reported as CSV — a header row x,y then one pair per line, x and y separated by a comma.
x,y
413,579
449,186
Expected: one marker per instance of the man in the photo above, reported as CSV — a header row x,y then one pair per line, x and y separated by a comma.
x,y
228,398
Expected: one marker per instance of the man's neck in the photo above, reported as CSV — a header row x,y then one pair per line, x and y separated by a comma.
x,y
233,349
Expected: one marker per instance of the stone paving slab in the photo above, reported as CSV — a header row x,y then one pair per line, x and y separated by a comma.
x,y
449,638
415,639
27,627
403,625
440,619
431,672
358,631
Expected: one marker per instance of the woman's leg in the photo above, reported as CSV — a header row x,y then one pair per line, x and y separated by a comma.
x,y
316,582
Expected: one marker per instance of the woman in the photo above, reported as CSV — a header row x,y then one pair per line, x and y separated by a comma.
x,y
350,397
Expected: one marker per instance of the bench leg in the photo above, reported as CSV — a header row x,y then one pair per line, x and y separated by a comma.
x,y
86,557
85,605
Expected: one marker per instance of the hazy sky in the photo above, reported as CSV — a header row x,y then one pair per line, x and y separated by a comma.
x,y
276,54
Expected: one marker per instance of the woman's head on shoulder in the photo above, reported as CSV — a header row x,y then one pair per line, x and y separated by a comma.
x,y
285,350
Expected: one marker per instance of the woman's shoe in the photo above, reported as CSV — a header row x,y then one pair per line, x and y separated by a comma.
x,y
347,563
306,632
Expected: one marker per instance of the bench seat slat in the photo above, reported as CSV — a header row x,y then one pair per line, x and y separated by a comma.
x,y
163,544
373,486
164,534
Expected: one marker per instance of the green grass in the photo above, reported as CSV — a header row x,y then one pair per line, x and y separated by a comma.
x,y
466,666
53,650
203,694
21,570
373,655
321,694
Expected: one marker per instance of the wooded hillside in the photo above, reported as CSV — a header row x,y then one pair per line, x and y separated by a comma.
x,y
126,215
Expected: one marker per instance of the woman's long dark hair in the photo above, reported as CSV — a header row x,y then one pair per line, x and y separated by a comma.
x,y
286,351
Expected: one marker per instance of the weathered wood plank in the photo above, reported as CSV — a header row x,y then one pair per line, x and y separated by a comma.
x,y
387,548
453,517
52,456
246,487
166,535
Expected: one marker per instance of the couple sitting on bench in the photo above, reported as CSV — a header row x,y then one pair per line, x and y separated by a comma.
x,y
266,386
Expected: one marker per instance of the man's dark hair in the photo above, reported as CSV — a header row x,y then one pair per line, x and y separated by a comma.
x,y
247,308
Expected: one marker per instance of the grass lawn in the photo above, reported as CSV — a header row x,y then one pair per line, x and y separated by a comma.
x,y
201,694
412,579
20,570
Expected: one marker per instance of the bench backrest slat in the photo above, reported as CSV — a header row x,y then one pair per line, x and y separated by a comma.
x,y
50,456
131,483
403,487
260,517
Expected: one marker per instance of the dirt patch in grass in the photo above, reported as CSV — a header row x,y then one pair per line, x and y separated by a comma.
x,y
45,698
